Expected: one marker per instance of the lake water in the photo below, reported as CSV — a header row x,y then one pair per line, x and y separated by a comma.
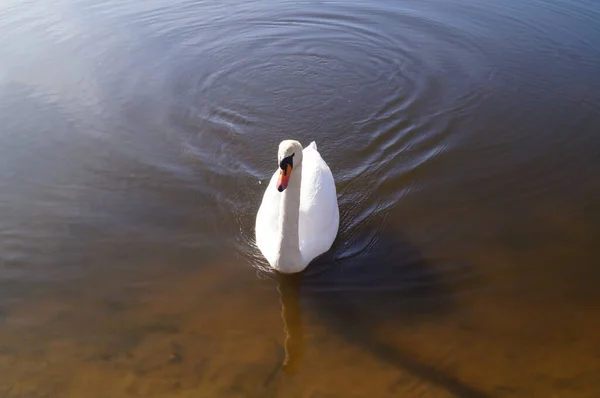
x,y
136,139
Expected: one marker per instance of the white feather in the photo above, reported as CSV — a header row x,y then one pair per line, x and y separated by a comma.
x,y
318,219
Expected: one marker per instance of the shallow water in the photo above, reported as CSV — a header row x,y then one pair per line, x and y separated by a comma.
x,y
137,139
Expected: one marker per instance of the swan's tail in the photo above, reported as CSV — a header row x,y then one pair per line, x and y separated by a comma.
x,y
313,145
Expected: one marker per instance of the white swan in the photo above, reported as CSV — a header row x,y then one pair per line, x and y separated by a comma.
x,y
298,218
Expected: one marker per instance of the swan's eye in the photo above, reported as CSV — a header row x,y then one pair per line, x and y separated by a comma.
x,y
287,161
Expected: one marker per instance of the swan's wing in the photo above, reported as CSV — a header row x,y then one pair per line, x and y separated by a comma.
x,y
267,220
319,213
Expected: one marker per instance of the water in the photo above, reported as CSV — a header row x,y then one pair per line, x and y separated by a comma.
x,y
137,139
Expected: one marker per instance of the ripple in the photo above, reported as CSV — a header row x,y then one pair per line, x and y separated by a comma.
x,y
297,72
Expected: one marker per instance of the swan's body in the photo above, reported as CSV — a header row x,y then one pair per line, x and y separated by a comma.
x,y
298,218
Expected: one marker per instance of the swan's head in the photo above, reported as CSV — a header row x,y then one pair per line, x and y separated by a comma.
x,y
288,157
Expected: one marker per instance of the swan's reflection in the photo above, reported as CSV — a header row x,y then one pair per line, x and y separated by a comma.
x,y
291,311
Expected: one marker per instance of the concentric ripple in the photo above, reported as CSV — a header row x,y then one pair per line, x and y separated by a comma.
x,y
368,96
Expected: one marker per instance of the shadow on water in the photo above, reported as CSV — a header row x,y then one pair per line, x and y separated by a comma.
x,y
392,282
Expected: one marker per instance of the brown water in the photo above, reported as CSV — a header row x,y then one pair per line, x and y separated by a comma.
x,y
136,139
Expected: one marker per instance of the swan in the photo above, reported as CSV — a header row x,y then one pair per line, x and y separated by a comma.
x,y
298,218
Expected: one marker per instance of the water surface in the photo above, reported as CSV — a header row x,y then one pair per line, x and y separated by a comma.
x,y
137,139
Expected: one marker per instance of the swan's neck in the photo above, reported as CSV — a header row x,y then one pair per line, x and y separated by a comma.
x,y
289,258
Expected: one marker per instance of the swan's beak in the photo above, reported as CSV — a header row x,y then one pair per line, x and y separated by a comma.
x,y
284,177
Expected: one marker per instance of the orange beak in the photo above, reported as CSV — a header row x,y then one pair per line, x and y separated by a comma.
x,y
284,178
